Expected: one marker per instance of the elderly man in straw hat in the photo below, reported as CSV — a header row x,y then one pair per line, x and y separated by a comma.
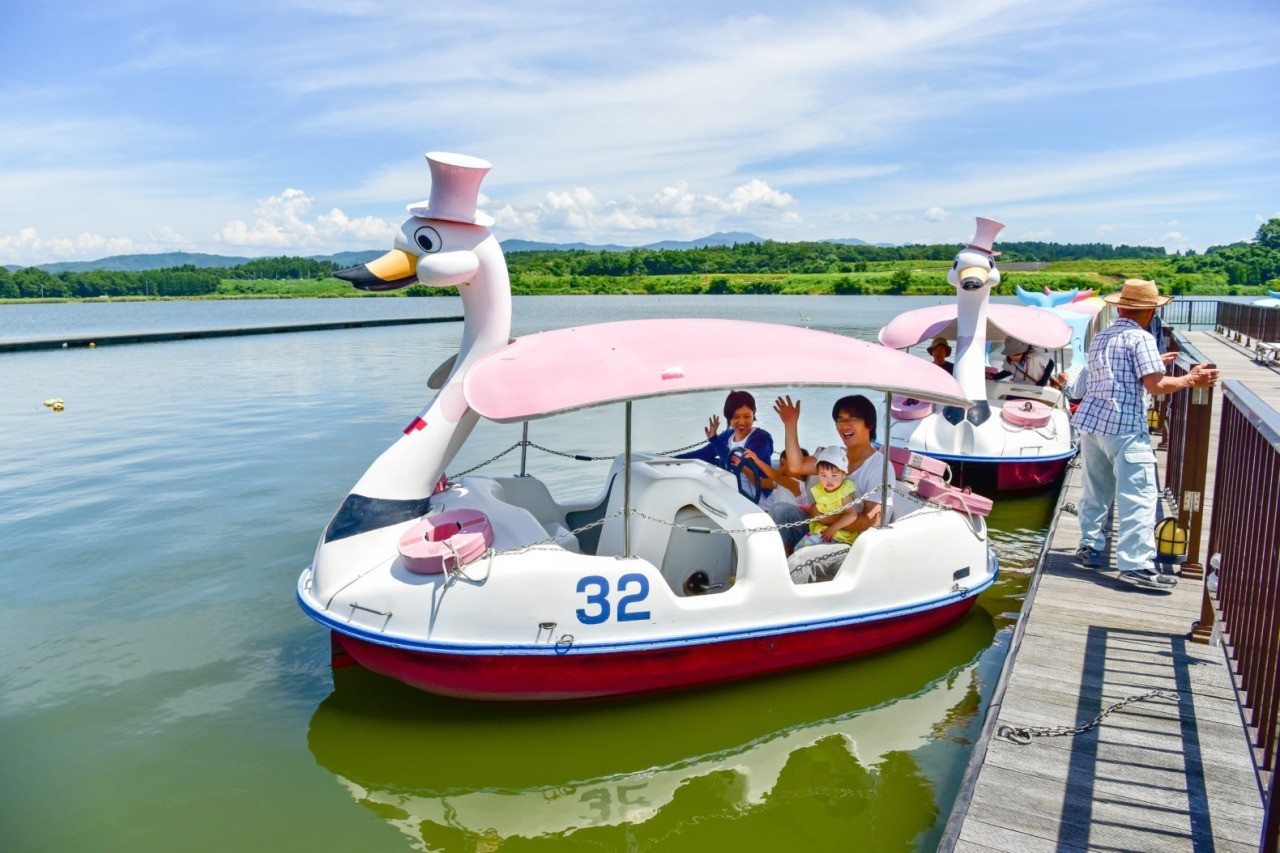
x,y
1115,444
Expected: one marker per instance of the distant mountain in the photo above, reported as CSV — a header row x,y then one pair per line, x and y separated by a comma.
x,y
346,260
720,238
134,263
535,246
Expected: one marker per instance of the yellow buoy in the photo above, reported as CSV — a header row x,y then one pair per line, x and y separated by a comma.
x,y
50,402
92,345
58,407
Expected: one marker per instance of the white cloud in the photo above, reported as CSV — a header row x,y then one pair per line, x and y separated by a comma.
x,y
282,222
1174,240
28,247
1105,229
936,214
671,210
1044,235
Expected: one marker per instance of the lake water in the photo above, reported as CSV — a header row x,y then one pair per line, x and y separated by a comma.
x,y
160,688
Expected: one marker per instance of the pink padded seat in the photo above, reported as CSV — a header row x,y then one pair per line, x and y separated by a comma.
x,y
961,500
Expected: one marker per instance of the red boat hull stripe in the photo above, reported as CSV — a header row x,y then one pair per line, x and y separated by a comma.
x,y
583,675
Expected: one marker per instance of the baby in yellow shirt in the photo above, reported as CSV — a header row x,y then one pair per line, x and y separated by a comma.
x,y
833,491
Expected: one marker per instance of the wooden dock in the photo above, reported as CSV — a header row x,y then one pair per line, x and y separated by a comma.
x,y
1155,775
194,334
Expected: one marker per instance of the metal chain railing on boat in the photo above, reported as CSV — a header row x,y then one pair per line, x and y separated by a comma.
x,y
547,543
580,457
1022,735
692,528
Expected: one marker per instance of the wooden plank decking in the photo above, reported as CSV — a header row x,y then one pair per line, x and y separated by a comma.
x,y
1156,775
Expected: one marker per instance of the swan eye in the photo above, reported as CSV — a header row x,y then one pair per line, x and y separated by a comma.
x,y
428,239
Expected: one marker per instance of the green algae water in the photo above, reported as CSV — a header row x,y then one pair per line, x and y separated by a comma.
x,y
160,689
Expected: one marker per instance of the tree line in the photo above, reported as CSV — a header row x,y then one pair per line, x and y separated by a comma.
x,y
188,280
800,258
1245,264
1252,264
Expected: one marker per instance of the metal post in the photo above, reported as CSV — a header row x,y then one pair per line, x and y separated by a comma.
x,y
524,450
884,469
626,489
1195,469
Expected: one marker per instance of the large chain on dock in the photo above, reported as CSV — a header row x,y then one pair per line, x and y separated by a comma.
x,y
1022,735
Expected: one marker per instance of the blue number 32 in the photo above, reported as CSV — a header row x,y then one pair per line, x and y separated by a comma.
x,y
597,589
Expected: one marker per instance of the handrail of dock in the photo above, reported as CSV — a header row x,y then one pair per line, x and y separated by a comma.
x,y
1185,426
1245,539
1250,322
72,341
1190,313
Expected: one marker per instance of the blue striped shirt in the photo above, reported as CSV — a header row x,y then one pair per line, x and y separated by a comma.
x,y
1114,402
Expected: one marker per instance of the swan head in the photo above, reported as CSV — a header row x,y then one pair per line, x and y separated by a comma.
x,y
434,252
973,270
436,245
974,267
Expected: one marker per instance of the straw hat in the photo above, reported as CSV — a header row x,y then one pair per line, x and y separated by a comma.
x,y
1138,293
938,341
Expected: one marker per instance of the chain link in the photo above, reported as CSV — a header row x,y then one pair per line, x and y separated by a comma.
x,y
1022,735
577,456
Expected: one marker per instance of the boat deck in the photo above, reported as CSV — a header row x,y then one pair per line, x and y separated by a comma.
x,y
1154,775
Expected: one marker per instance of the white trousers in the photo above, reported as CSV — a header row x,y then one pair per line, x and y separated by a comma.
x,y
1120,469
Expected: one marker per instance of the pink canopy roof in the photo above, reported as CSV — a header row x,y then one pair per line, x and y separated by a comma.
x,y
1036,326
567,369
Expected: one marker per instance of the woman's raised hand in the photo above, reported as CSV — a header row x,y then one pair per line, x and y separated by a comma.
x,y
713,427
787,411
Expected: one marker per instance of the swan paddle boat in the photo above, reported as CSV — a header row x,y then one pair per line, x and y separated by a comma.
x,y
488,587
1012,436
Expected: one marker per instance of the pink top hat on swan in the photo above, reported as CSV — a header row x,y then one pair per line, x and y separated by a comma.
x,y
455,187
986,235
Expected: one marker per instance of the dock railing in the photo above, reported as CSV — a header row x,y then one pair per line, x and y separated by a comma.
x,y
1248,324
1187,421
1191,313
1244,538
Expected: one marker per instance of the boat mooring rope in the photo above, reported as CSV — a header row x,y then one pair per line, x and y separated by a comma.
x,y
1022,735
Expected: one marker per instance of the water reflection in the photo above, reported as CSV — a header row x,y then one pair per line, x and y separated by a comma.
x,y
833,752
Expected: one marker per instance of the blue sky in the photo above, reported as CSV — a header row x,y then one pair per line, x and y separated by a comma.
x,y
264,128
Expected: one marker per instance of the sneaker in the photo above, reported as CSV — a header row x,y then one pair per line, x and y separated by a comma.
x,y
1149,578
1089,558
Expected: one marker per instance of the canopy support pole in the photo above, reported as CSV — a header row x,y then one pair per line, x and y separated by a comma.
x,y
626,489
884,469
524,450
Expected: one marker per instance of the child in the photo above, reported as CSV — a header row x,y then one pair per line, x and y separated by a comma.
x,y
786,489
832,492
